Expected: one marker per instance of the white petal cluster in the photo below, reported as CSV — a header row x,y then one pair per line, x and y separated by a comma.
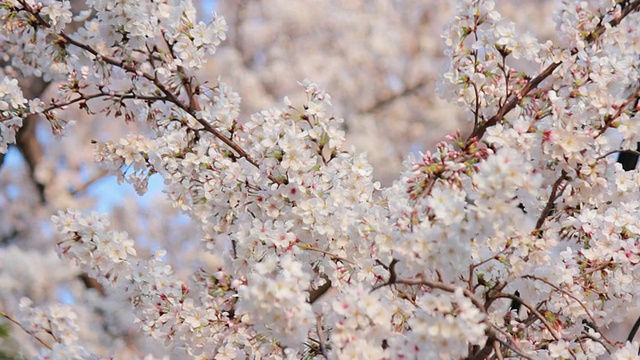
x,y
12,104
443,327
519,239
60,322
282,312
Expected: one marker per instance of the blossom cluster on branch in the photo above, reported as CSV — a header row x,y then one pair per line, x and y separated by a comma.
x,y
517,239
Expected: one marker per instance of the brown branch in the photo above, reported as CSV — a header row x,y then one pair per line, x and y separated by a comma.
x,y
84,186
444,287
393,279
628,7
381,103
31,150
567,293
633,98
507,345
551,202
91,283
315,294
331,255
26,139
634,152
6,239
511,104
171,97
518,352
497,350
533,310
323,348
6,316
488,347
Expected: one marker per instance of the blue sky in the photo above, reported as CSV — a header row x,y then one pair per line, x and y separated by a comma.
x,y
208,6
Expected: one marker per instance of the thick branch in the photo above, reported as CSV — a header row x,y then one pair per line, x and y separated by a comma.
x,y
315,294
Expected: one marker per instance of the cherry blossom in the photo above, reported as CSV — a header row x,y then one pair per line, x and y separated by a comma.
x,y
513,238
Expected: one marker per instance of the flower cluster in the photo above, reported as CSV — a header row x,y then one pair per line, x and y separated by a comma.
x,y
282,312
444,326
12,103
59,322
479,43
163,305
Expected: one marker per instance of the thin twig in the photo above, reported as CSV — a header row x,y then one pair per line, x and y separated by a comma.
x,y
384,102
6,316
621,109
597,268
331,255
323,348
443,287
508,346
432,284
533,310
618,151
496,349
552,198
567,293
82,187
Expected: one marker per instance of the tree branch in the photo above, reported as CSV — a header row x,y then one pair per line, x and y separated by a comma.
x,y
381,103
533,310
551,202
171,97
627,8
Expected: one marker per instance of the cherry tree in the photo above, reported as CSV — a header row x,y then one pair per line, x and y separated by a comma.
x,y
515,237
380,60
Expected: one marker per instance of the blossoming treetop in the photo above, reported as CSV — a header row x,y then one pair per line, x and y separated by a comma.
x,y
319,259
